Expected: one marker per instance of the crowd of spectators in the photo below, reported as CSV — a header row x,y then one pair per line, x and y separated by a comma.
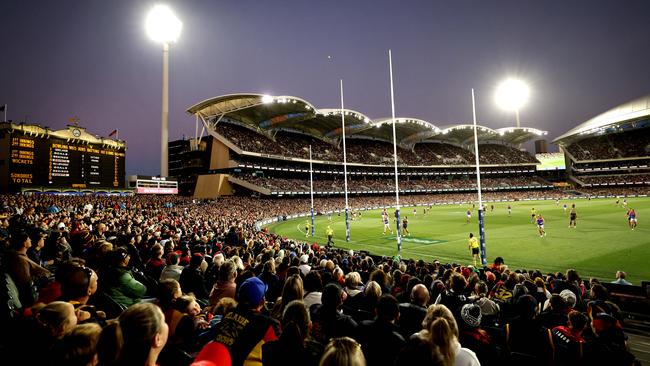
x,y
366,151
150,280
386,184
612,146
615,179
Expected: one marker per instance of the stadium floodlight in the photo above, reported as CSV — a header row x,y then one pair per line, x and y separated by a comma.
x,y
164,27
511,95
266,99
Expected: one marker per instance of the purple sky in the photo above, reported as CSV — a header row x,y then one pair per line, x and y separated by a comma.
x,y
92,59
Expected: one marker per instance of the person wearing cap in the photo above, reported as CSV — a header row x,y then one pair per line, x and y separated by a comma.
x,y
246,329
304,264
23,271
118,282
473,337
38,242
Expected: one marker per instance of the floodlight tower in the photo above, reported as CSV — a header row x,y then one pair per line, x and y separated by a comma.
x,y
164,27
511,95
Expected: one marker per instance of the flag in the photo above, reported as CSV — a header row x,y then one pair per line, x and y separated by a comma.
x,y
3,108
113,133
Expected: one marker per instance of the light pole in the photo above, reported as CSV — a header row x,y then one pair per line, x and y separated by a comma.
x,y
511,95
164,27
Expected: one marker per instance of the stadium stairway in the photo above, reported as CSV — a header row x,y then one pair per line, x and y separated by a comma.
x,y
640,347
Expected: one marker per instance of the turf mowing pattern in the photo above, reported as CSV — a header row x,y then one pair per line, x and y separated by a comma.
x,y
601,244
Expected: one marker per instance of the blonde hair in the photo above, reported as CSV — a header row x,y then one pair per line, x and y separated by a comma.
x,y
441,331
343,351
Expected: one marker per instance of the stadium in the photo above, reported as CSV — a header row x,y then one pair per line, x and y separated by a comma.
x,y
244,222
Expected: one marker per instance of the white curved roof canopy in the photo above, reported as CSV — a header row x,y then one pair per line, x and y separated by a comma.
x,y
265,114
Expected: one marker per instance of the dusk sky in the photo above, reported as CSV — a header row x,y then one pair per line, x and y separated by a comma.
x,y
92,59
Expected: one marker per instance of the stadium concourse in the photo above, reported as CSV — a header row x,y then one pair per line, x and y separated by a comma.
x,y
87,260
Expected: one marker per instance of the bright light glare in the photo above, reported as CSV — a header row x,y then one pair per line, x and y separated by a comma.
x,y
512,94
267,99
162,25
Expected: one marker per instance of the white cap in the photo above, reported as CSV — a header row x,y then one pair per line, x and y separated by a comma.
x,y
304,258
61,225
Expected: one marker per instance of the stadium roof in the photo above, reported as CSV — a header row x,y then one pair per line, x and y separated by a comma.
x,y
630,115
268,113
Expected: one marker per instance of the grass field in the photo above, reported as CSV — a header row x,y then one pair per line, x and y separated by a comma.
x,y
601,244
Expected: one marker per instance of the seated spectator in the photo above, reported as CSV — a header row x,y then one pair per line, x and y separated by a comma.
x,y
271,280
313,287
568,343
343,351
118,282
79,347
136,338
25,273
327,319
601,303
555,312
245,330
77,286
192,280
489,309
292,291
454,298
380,339
48,325
172,270
295,346
437,343
525,336
304,264
225,285
620,278
610,346
413,313
473,337
154,266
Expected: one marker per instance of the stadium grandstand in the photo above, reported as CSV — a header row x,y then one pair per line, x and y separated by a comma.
x,y
257,139
223,288
611,149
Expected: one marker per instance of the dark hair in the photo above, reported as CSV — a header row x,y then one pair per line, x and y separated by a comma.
x,y
331,296
295,324
387,308
578,320
313,282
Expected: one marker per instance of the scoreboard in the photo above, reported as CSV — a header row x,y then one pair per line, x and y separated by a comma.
x,y
48,161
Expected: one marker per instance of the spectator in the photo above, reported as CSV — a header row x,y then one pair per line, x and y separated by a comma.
x,y
413,313
118,282
380,339
343,351
172,270
24,271
294,341
245,330
79,347
192,280
292,291
437,343
567,341
136,338
609,347
225,285
473,337
328,321
489,309
313,287
620,278
525,336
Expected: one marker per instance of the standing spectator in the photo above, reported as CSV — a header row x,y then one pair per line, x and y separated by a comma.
x,y
620,278
136,338
245,330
